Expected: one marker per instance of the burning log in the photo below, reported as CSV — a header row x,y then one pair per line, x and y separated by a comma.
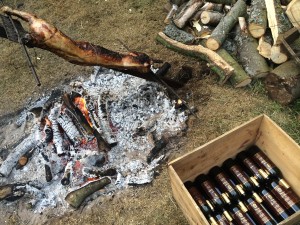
x,y
277,19
75,198
283,83
258,18
12,159
57,137
48,130
218,64
158,146
187,12
93,114
211,17
248,53
220,33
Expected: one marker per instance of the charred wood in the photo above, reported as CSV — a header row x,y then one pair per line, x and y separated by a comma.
x,y
57,137
226,2
48,173
24,159
221,32
12,192
12,159
66,179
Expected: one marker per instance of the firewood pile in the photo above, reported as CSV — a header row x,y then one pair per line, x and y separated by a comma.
x,y
241,40
106,132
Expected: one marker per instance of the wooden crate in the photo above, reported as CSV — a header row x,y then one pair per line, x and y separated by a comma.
x,y
261,131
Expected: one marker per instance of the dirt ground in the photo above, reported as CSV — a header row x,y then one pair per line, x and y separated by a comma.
x,y
136,23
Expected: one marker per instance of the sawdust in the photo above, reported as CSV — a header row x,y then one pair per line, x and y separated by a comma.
x,y
135,23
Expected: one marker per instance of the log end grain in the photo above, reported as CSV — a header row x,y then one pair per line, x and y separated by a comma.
x,y
256,30
212,44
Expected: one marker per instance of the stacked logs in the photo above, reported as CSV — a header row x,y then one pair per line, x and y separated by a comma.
x,y
241,40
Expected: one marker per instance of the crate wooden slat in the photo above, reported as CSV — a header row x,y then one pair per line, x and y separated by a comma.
x,y
261,131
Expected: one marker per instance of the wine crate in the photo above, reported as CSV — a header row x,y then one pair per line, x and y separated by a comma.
x,y
260,131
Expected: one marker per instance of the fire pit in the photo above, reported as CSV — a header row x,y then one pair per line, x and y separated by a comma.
x,y
105,132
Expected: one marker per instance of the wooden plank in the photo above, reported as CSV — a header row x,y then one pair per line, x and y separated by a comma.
x,y
282,150
185,201
216,151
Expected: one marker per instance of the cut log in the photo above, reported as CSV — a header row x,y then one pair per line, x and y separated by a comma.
x,y
283,83
239,77
218,64
264,47
208,6
187,12
258,18
292,12
278,21
211,18
252,62
225,2
220,33
279,54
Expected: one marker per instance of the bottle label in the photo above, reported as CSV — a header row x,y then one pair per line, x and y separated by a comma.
x,y
259,212
239,216
251,166
272,203
207,186
224,182
261,160
282,195
237,172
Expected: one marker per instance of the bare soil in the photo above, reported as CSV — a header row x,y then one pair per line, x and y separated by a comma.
x,y
136,23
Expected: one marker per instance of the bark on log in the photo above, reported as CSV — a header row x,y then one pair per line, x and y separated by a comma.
x,y
170,14
279,54
292,12
278,21
239,77
258,18
225,2
283,83
218,64
211,18
187,12
220,33
253,63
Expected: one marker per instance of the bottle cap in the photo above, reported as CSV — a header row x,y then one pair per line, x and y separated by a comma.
x,y
228,163
253,150
241,156
201,178
188,184
215,171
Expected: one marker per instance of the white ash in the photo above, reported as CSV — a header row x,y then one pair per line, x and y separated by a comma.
x,y
133,104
